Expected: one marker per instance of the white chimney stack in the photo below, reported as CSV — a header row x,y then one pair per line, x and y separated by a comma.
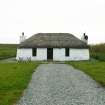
x,y
85,38
22,37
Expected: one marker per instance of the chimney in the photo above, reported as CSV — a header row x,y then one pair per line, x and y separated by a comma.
x,y
22,37
85,38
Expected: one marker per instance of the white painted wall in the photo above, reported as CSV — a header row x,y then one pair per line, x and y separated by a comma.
x,y
79,54
58,54
75,54
26,54
41,54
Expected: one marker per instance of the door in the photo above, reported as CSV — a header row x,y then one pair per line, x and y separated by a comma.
x,y
50,53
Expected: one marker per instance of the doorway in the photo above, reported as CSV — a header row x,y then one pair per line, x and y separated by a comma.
x,y
49,53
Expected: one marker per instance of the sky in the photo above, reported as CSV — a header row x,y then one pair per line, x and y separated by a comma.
x,y
64,16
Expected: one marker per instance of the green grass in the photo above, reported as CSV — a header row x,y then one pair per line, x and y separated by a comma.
x,y
7,50
95,69
14,78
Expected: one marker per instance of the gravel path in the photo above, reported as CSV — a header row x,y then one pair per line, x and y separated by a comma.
x,y
61,84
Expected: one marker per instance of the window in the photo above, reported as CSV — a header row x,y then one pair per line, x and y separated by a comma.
x,y
34,51
66,51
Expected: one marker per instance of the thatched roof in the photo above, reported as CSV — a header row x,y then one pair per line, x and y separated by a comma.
x,y
53,40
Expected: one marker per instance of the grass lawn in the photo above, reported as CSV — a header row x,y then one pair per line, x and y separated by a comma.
x,y
94,69
14,78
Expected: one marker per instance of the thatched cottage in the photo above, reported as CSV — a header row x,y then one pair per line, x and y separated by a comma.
x,y
53,46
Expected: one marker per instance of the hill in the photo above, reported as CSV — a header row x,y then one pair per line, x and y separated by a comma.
x,y
7,50
98,51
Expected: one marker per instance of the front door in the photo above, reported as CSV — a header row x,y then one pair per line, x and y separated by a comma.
x,y
49,53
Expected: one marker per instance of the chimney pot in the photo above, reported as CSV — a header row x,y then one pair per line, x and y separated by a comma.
x,y
84,34
22,33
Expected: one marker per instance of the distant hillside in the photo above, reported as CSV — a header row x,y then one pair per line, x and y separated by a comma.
x,y
98,48
98,51
7,50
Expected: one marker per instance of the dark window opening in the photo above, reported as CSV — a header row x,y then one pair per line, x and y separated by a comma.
x,y
34,51
50,53
67,51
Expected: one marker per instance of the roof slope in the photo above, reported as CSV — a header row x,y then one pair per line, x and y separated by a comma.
x,y
53,40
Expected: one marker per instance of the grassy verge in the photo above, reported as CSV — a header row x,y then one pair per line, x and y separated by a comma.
x,y
14,78
94,69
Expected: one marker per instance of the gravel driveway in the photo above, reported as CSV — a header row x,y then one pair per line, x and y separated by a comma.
x,y
61,84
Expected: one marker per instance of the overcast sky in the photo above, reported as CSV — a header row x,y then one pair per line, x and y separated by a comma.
x,y
34,16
